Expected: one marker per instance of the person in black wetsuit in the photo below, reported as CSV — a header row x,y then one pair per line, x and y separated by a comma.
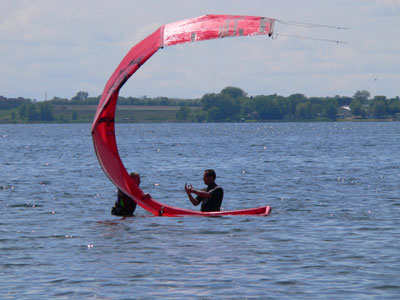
x,y
210,197
125,206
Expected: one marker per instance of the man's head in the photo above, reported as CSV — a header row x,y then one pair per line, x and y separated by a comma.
x,y
136,177
209,176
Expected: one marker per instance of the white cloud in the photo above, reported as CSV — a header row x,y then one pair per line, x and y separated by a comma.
x,y
60,47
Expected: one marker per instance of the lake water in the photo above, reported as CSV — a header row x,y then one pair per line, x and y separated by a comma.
x,y
333,233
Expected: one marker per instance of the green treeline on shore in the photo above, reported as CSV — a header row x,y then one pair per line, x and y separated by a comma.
x,y
232,104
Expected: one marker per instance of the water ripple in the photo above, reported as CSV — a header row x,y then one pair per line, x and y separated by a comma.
x,y
333,233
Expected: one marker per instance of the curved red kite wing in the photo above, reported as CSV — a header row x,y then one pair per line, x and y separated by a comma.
x,y
103,126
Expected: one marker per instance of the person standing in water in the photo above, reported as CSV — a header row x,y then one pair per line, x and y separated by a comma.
x,y
125,205
209,197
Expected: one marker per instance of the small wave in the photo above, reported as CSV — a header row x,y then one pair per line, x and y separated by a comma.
x,y
209,231
287,282
24,205
387,287
16,265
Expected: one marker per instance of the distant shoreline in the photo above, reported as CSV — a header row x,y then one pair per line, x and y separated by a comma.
x,y
159,114
231,105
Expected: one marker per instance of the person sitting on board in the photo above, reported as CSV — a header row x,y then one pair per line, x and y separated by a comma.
x,y
210,197
125,205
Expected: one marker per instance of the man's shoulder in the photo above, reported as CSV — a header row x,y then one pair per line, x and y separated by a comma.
x,y
217,189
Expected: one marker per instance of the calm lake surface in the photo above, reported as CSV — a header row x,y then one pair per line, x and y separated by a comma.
x,y
333,233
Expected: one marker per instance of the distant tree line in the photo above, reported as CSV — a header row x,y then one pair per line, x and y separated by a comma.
x,y
232,104
7,103
82,98
39,111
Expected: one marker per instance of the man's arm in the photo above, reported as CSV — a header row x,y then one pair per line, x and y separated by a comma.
x,y
194,201
202,194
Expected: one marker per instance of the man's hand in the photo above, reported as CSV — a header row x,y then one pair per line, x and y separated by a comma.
x,y
188,188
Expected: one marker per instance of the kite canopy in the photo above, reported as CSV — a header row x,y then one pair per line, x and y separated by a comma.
x,y
103,126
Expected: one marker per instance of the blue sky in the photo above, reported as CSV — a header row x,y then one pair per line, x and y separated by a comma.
x,y
57,48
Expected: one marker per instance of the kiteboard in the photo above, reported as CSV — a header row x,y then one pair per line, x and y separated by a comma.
x,y
103,127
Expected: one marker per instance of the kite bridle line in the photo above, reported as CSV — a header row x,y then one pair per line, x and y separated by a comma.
x,y
309,25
